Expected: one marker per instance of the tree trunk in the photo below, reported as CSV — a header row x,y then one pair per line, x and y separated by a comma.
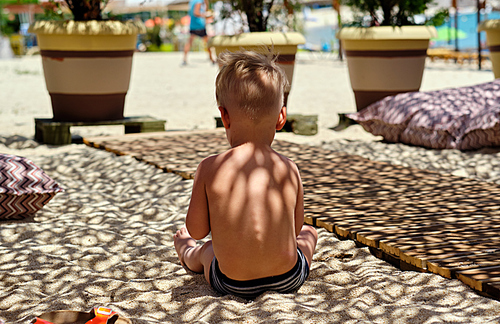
x,y
85,10
253,10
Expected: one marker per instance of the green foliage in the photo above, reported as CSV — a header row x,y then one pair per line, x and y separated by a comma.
x,y
159,38
166,47
51,11
394,12
439,18
14,2
82,10
260,14
9,24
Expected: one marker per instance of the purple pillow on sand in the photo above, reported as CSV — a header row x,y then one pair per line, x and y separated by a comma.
x,y
24,187
462,118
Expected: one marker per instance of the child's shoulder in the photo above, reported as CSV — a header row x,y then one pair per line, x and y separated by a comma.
x,y
238,154
285,159
213,160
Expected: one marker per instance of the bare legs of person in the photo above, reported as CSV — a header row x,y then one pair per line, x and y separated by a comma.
x,y
195,258
205,40
198,258
188,45
306,241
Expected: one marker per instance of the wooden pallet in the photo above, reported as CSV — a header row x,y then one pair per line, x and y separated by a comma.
x,y
457,57
414,219
53,132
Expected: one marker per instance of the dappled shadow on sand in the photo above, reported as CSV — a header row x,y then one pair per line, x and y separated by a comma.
x,y
423,218
107,240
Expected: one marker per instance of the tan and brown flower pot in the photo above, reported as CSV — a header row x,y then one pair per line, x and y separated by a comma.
x,y
284,45
87,67
385,60
492,29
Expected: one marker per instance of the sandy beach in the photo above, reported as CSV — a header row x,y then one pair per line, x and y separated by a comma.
x,y
107,240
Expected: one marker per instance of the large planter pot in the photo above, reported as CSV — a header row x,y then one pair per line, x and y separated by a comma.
x,y
283,45
385,60
492,29
87,66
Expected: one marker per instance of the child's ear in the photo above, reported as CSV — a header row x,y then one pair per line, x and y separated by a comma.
x,y
224,115
281,119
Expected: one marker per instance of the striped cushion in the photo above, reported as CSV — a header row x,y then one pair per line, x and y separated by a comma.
x,y
24,187
459,118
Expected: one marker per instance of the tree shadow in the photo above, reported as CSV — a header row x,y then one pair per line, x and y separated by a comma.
x,y
107,240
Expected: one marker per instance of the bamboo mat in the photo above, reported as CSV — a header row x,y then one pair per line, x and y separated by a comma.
x,y
414,219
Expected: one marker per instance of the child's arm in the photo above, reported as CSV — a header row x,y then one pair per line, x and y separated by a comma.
x,y
299,207
198,219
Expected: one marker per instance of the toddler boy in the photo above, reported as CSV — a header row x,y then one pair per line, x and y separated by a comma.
x,y
250,198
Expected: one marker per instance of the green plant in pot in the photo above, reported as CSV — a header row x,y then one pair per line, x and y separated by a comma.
x,y
260,18
386,51
87,62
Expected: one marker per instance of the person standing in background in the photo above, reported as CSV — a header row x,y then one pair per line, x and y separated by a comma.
x,y
197,26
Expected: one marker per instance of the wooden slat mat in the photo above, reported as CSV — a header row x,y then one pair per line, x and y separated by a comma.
x,y
415,219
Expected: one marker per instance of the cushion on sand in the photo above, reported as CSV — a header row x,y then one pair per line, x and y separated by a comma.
x,y
460,118
24,187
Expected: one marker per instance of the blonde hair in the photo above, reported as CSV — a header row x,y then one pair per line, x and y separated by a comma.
x,y
251,82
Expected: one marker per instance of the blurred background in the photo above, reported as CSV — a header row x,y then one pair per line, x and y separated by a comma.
x,y
167,23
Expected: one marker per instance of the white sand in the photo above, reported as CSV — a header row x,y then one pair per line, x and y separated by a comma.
x,y
108,239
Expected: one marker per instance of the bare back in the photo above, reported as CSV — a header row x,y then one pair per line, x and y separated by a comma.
x,y
255,204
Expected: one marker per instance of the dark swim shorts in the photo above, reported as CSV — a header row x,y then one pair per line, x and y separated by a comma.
x,y
249,289
199,32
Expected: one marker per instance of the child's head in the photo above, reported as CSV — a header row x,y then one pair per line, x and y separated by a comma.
x,y
250,82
